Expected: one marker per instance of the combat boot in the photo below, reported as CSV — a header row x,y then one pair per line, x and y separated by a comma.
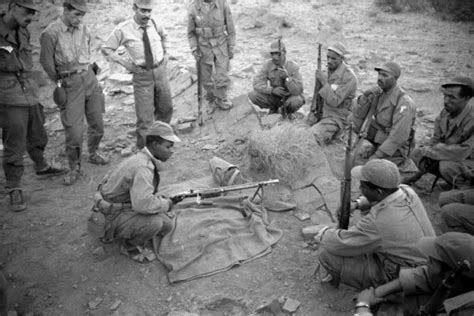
x,y
17,203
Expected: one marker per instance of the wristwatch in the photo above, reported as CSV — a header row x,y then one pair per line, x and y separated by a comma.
x,y
362,305
287,79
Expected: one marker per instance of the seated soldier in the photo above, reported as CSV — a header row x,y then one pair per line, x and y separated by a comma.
x,y
457,211
372,251
423,288
278,85
135,213
449,153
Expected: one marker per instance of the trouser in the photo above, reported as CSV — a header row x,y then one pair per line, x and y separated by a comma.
x,y
272,102
152,100
457,174
22,129
136,229
214,71
326,129
457,211
360,272
84,99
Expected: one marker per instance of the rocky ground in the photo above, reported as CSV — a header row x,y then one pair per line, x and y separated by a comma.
x,y
51,254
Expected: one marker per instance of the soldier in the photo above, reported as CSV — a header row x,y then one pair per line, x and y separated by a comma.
x,y
391,114
450,152
66,58
147,45
278,85
128,197
21,114
211,36
457,210
337,92
372,252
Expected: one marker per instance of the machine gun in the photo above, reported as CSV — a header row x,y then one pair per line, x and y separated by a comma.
x,y
443,290
316,110
345,212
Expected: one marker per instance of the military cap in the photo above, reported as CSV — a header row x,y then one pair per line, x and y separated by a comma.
x,y
30,4
277,46
338,48
451,248
164,130
144,4
460,81
80,5
380,172
390,67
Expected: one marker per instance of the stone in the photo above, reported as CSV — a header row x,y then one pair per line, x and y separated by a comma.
x,y
302,216
291,305
181,313
116,304
185,128
321,217
126,152
95,303
98,251
118,78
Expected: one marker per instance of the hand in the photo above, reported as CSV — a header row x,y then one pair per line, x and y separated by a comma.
x,y
197,54
280,92
283,73
134,69
176,199
230,51
321,77
319,237
368,296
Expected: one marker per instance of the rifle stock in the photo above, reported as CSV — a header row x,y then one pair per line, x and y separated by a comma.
x,y
199,91
346,186
316,102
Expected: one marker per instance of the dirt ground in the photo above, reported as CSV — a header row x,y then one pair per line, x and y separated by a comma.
x,y
51,254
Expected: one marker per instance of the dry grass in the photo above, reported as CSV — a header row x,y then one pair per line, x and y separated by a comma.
x,y
286,151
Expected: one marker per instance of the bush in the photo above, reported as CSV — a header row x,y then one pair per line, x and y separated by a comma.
x,y
456,10
404,5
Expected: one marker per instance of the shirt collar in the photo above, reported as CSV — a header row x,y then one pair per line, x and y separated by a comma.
x,y
65,28
390,199
339,71
211,4
457,120
158,164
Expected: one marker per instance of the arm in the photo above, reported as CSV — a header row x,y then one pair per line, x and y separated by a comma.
x,y
229,21
46,58
260,82
345,89
294,84
109,49
142,197
191,31
402,121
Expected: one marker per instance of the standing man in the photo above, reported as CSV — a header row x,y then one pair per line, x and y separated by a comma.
x,y
391,114
338,90
211,36
372,252
135,213
147,45
21,114
279,84
450,152
66,58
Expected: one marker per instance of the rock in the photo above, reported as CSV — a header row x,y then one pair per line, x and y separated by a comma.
x,y
291,305
124,79
115,305
248,69
321,217
126,152
128,102
185,128
302,216
98,251
181,313
209,147
95,303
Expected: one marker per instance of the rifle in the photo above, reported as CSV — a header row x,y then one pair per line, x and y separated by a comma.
x,y
284,111
199,91
443,290
364,129
213,192
346,186
316,110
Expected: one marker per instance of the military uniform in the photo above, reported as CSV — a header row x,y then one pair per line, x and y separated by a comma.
x,y
211,30
269,78
452,145
21,115
337,97
66,57
392,126
457,210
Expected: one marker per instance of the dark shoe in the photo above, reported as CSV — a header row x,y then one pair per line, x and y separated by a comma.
x,y
50,172
97,159
17,203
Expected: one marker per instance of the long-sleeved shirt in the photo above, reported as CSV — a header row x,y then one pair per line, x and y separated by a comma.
x,y
391,230
269,77
64,49
16,65
394,118
136,181
338,93
130,35
453,137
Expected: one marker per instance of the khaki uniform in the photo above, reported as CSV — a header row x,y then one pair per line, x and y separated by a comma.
x,y
21,115
66,56
372,252
391,128
337,96
452,145
211,29
268,78
128,197
457,211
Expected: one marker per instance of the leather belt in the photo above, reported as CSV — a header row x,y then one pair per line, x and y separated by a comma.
x,y
67,74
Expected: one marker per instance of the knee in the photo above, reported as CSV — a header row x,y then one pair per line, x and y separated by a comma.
x,y
294,103
252,96
330,262
159,225
447,168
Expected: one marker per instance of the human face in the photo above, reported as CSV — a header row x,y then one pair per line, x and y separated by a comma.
x,y
23,16
453,103
278,58
369,192
142,16
162,151
386,80
74,17
334,60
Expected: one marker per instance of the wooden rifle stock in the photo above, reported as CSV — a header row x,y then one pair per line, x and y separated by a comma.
x,y
346,185
199,91
317,102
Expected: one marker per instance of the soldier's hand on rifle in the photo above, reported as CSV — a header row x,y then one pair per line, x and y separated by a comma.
x,y
197,54
176,199
283,73
279,92
321,77
230,50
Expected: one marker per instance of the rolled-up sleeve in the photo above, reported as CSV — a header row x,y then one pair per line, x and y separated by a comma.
x,y
141,193
417,280
46,59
